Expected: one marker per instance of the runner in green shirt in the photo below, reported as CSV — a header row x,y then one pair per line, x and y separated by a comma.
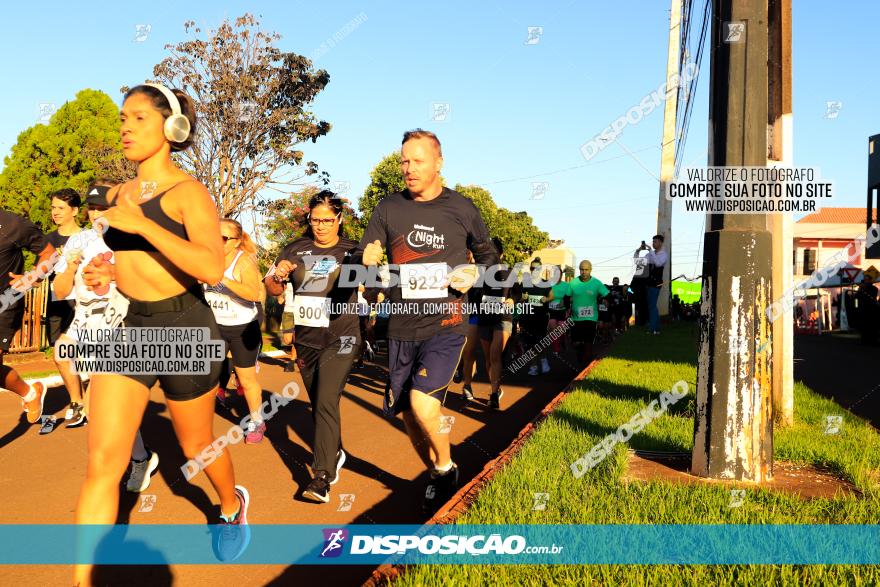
x,y
558,309
585,292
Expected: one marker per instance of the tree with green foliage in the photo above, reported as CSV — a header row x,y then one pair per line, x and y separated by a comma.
x,y
286,220
80,143
385,179
516,230
519,235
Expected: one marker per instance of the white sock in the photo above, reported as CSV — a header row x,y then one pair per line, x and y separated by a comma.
x,y
444,469
31,394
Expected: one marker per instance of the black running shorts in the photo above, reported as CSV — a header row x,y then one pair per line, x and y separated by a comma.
x,y
194,312
244,341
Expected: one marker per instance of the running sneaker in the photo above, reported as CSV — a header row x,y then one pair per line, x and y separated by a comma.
x,y
458,375
533,370
467,394
495,399
340,460
34,408
232,535
239,389
49,424
318,489
440,488
75,416
545,365
221,395
254,432
139,478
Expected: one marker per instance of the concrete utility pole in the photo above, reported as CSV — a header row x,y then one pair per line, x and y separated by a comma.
x,y
733,431
781,225
667,153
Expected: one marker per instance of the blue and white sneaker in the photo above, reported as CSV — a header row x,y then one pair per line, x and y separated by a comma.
x,y
232,535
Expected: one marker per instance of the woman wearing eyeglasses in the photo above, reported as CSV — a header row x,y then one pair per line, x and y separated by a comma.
x,y
234,303
327,329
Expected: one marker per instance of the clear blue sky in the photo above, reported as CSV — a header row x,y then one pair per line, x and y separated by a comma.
x,y
517,110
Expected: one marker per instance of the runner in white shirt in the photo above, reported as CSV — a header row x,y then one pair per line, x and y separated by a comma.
x,y
234,303
79,250
91,313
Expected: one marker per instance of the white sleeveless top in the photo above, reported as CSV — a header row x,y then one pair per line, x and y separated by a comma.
x,y
229,308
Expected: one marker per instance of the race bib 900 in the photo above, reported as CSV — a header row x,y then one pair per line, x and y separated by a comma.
x,y
311,311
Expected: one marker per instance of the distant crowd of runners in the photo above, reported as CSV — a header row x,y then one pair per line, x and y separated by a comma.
x,y
158,255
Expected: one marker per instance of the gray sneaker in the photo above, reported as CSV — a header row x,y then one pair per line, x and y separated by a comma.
x,y
139,479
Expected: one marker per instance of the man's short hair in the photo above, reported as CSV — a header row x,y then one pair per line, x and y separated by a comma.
x,y
419,133
658,236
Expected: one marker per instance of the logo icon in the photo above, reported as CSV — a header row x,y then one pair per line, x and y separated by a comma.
x,y
334,538
833,424
540,189
535,33
737,496
346,500
640,267
540,503
148,188
141,32
832,109
446,423
735,32
247,111
147,503
46,110
440,111
346,344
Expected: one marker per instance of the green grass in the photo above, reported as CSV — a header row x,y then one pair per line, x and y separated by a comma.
x,y
639,368
40,374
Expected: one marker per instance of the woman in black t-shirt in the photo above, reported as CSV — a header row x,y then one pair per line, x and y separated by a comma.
x,y
327,336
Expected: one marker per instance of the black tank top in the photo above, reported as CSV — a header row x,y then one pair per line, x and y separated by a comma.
x,y
118,240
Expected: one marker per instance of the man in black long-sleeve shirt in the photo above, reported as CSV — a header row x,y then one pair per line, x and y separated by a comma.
x,y
426,229
16,234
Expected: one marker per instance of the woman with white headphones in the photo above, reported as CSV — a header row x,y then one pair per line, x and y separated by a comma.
x,y
165,235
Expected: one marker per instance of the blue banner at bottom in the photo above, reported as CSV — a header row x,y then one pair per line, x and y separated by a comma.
x,y
441,544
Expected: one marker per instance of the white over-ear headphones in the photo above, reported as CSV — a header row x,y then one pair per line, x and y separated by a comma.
x,y
177,126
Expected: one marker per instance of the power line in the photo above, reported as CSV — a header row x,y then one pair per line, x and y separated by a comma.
x,y
572,168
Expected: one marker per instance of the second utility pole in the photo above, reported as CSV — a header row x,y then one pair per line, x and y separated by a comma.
x,y
733,431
